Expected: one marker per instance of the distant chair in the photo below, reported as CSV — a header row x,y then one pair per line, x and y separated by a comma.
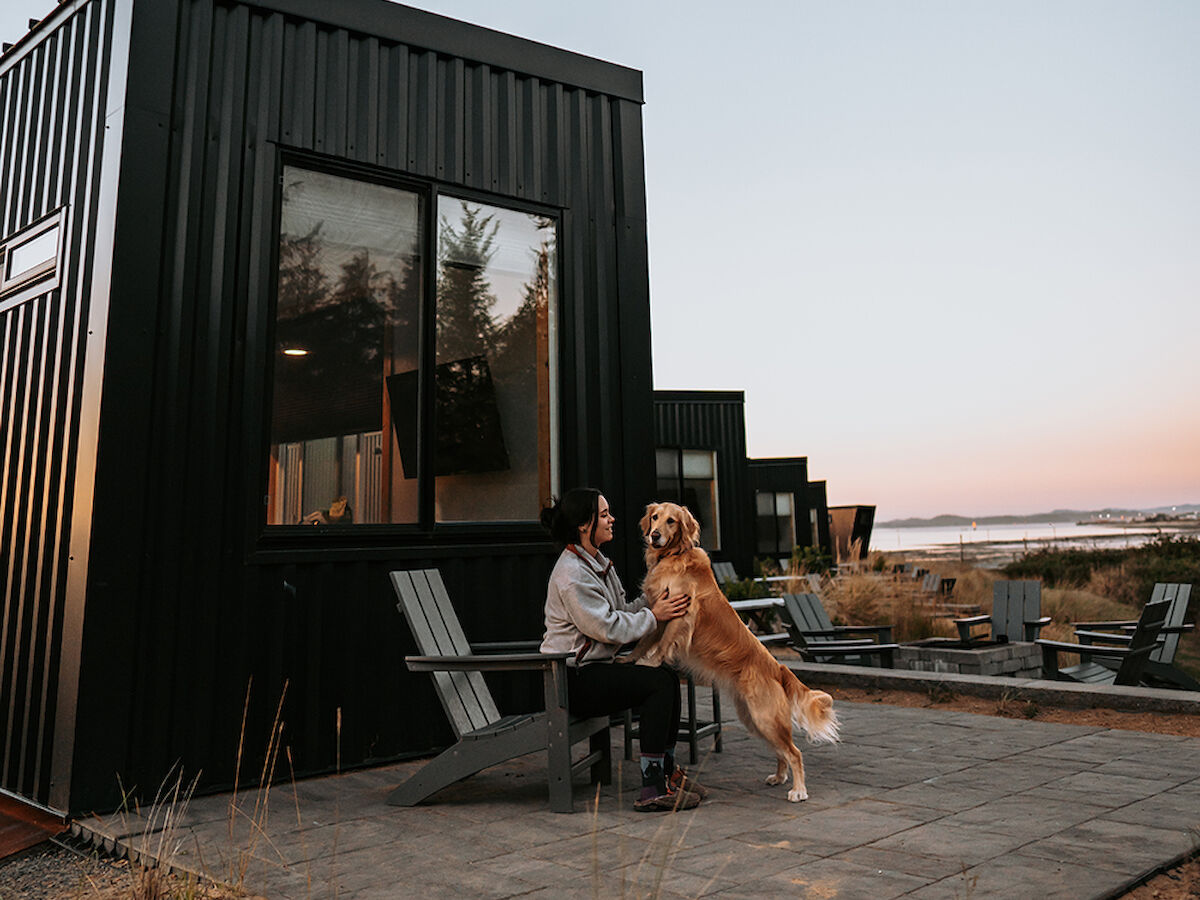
x,y
1160,667
1016,613
1131,658
818,639
725,573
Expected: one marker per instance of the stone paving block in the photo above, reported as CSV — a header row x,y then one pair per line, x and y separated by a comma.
x,y
1115,846
830,878
1167,810
848,826
1102,790
1026,815
929,868
1016,875
967,845
739,860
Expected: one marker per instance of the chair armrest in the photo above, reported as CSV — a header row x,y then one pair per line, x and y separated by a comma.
x,y
973,620
752,605
850,648
1086,649
506,647
1104,637
883,631
853,642
492,662
1127,623
1044,620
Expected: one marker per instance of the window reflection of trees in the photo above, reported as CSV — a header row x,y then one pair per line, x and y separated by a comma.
x,y
348,312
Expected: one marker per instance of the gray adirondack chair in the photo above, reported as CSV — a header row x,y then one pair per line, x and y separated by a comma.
x,y
724,572
1132,657
1016,613
819,640
486,738
1160,667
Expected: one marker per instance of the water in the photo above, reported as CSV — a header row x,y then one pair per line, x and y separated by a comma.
x,y
1035,535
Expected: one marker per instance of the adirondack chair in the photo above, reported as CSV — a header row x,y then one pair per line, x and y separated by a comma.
x,y
1160,668
818,639
1016,613
1132,657
725,572
485,738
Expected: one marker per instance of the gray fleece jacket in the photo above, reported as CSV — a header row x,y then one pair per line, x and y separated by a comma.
x,y
586,610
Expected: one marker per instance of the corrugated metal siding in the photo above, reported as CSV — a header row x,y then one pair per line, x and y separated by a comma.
x,y
715,420
52,94
203,611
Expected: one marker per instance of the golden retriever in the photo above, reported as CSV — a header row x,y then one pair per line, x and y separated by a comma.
x,y
711,641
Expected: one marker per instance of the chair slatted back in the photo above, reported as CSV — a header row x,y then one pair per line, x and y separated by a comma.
x,y
434,624
1153,617
724,572
1177,595
808,615
1013,604
814,582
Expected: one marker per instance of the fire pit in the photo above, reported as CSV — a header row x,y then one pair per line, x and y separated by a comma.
x,y
1015,659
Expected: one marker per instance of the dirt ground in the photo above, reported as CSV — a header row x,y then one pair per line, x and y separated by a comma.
x,y
1180,883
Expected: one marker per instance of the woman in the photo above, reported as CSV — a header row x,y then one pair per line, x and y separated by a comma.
x,y
588,616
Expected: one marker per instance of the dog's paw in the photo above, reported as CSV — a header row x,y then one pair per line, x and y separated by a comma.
x,y
776,779
647,661
796,796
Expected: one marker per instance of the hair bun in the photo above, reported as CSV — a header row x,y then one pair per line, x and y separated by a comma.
x,y
551,513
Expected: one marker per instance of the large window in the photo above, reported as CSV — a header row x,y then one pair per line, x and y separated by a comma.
x,y
775,523
414,372
689,477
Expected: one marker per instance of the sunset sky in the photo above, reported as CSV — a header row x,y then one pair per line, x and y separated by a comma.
x,y
950,250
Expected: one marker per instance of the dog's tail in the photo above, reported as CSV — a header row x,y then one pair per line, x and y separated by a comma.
x,y
811,710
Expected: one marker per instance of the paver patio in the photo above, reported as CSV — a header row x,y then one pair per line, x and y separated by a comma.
x,y
919,803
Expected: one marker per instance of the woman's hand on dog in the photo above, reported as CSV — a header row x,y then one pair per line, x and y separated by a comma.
x,y
667,607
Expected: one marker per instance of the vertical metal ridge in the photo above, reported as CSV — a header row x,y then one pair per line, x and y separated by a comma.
x,y
107,67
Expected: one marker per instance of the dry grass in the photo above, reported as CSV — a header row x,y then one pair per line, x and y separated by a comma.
x,y
868,597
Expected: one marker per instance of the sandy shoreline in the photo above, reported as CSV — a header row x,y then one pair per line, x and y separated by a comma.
x,y
994,554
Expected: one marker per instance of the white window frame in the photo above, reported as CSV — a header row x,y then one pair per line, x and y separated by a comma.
x,y
40,278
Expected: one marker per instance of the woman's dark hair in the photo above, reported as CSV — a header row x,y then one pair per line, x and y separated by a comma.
x,y
563,518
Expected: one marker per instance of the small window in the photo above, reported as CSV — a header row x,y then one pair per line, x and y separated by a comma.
x,y
31,255
776,523
689,477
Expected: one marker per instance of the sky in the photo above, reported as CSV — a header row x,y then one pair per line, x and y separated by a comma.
x,y
949,249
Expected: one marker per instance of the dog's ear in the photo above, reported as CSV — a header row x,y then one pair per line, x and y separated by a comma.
x,y
644,524
691,528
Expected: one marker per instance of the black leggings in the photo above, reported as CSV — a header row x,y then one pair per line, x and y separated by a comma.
x,y
602,689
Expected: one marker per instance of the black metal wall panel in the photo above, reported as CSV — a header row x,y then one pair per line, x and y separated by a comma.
x,y
52,100
192,606
715,420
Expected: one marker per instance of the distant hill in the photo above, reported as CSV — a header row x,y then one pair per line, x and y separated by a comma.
x,y
1057,515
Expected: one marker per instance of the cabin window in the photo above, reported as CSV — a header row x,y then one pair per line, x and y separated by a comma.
x,y
414,364
776,523
31,257
689,477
